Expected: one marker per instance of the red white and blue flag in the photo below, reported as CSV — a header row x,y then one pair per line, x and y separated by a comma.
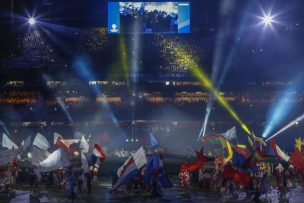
x,y
130,168
97,153
128,172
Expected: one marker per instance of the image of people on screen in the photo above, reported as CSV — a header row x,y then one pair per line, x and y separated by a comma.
x,y
149,17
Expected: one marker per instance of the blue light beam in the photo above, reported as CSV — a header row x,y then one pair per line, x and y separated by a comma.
x,y
279,111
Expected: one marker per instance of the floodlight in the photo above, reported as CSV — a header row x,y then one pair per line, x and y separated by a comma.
x,y
32,21
267,19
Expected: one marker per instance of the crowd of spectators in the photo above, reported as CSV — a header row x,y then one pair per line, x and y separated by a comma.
x,y
148,21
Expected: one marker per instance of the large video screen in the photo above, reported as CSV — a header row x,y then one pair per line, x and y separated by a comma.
x,y
148,17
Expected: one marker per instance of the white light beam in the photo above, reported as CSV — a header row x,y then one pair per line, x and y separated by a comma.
x,y
289,125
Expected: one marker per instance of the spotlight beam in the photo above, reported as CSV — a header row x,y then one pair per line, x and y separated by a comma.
x,y
59,100
124,58
289,125
279,110
208,111
227,7
82,68
203,78
2,124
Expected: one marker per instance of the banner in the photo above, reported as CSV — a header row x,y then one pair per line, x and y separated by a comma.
x,y
8,143
41,142
139,157
38,155
230,134
56,160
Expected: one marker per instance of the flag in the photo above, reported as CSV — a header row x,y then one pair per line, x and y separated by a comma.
x,y
237,176
278,151
8,143
41,142
67,145
238,160
66,142
214,138
259,139
230,134
84,145
152,169
8,155
153,141
84,163
244,162
99,153
163,177
297,158
139,157
128,173
122,168
230,153
195,166
250,141
38,155
27,142
242,149
54,161
260,156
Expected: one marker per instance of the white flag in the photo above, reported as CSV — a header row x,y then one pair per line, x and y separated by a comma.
x,y
139,157
41,142
8,143
56,160
84,163
38,155
230,134
84,145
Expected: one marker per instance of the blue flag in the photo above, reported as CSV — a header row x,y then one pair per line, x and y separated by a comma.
x,y
152,168
238,160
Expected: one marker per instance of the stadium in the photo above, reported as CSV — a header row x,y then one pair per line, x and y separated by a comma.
x,y
163,87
